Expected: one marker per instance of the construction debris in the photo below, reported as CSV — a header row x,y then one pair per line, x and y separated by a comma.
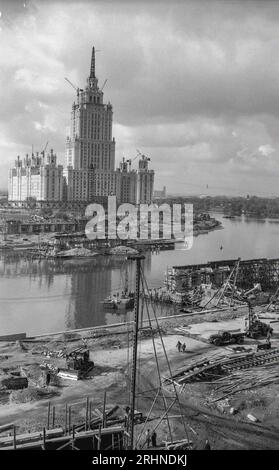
x,y
240,381
208,369
178,445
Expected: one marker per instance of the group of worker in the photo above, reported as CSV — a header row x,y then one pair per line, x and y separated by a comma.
x,y
181,347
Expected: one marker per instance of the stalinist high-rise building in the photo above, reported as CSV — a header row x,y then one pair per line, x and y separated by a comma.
x,y
90,153
90,145
89,174
90,148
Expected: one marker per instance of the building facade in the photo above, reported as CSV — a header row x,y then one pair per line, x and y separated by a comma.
x,y
145,182
37,178
128,182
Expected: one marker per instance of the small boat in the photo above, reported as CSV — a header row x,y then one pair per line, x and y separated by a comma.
x,y
110,302
126,301
121,301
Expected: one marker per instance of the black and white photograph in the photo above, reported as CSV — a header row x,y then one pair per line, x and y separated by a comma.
x,y
139,228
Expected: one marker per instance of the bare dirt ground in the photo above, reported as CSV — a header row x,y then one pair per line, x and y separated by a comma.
x,y
112,356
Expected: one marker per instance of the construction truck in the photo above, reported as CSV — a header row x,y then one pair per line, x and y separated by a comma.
x,y
255,328
226,337
78,364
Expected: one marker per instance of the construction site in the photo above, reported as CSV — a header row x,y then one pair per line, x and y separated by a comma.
x,y
208,374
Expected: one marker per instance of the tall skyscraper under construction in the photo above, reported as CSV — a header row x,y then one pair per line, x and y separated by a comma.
x,y
89,174
90,144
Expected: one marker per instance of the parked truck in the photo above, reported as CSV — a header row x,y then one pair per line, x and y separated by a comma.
x,y
226,337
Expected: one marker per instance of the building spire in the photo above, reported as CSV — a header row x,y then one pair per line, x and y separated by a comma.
x,y
92,69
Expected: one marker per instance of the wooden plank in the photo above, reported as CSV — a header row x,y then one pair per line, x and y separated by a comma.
x,y
6,427
56,440
21,438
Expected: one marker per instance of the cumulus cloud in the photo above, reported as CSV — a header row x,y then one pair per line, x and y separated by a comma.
x,y
266,150
194,84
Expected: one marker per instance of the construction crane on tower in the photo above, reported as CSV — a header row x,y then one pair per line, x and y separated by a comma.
x,y
74,86
80,89
104,84
138,155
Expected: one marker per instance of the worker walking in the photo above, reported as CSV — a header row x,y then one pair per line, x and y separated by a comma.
x,y
154,439
179,345
184,347
268,337
207,445
148,438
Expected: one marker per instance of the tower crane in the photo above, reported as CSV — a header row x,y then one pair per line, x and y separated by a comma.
x,y
75,87
138,155
45,147
44,150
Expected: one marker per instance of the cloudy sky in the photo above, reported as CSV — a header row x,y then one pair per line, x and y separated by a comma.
x,y
194,85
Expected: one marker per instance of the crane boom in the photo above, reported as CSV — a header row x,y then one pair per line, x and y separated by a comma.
x,y
139,154
69,81
104,84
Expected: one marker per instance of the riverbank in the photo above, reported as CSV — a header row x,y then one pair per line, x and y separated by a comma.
x,y
40,241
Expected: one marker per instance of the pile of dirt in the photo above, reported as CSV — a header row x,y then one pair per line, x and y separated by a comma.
x,y
112,343
148,333
122,250
32,394
20,346
77,253
70,336
34,374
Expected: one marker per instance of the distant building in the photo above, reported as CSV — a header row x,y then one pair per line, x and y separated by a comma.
x,y
160,194
36,178
136,186
145,182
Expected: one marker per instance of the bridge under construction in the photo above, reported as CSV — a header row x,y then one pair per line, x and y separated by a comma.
x,y
261,270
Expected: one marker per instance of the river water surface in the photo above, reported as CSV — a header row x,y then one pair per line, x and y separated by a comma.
x,y
53,295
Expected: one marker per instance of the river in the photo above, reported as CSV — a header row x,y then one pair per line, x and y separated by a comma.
x,y
51,295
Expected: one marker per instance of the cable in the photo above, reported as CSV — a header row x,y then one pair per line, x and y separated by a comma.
x,y
167,360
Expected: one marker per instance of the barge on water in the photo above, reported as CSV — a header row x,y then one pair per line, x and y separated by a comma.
x,y
123,301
